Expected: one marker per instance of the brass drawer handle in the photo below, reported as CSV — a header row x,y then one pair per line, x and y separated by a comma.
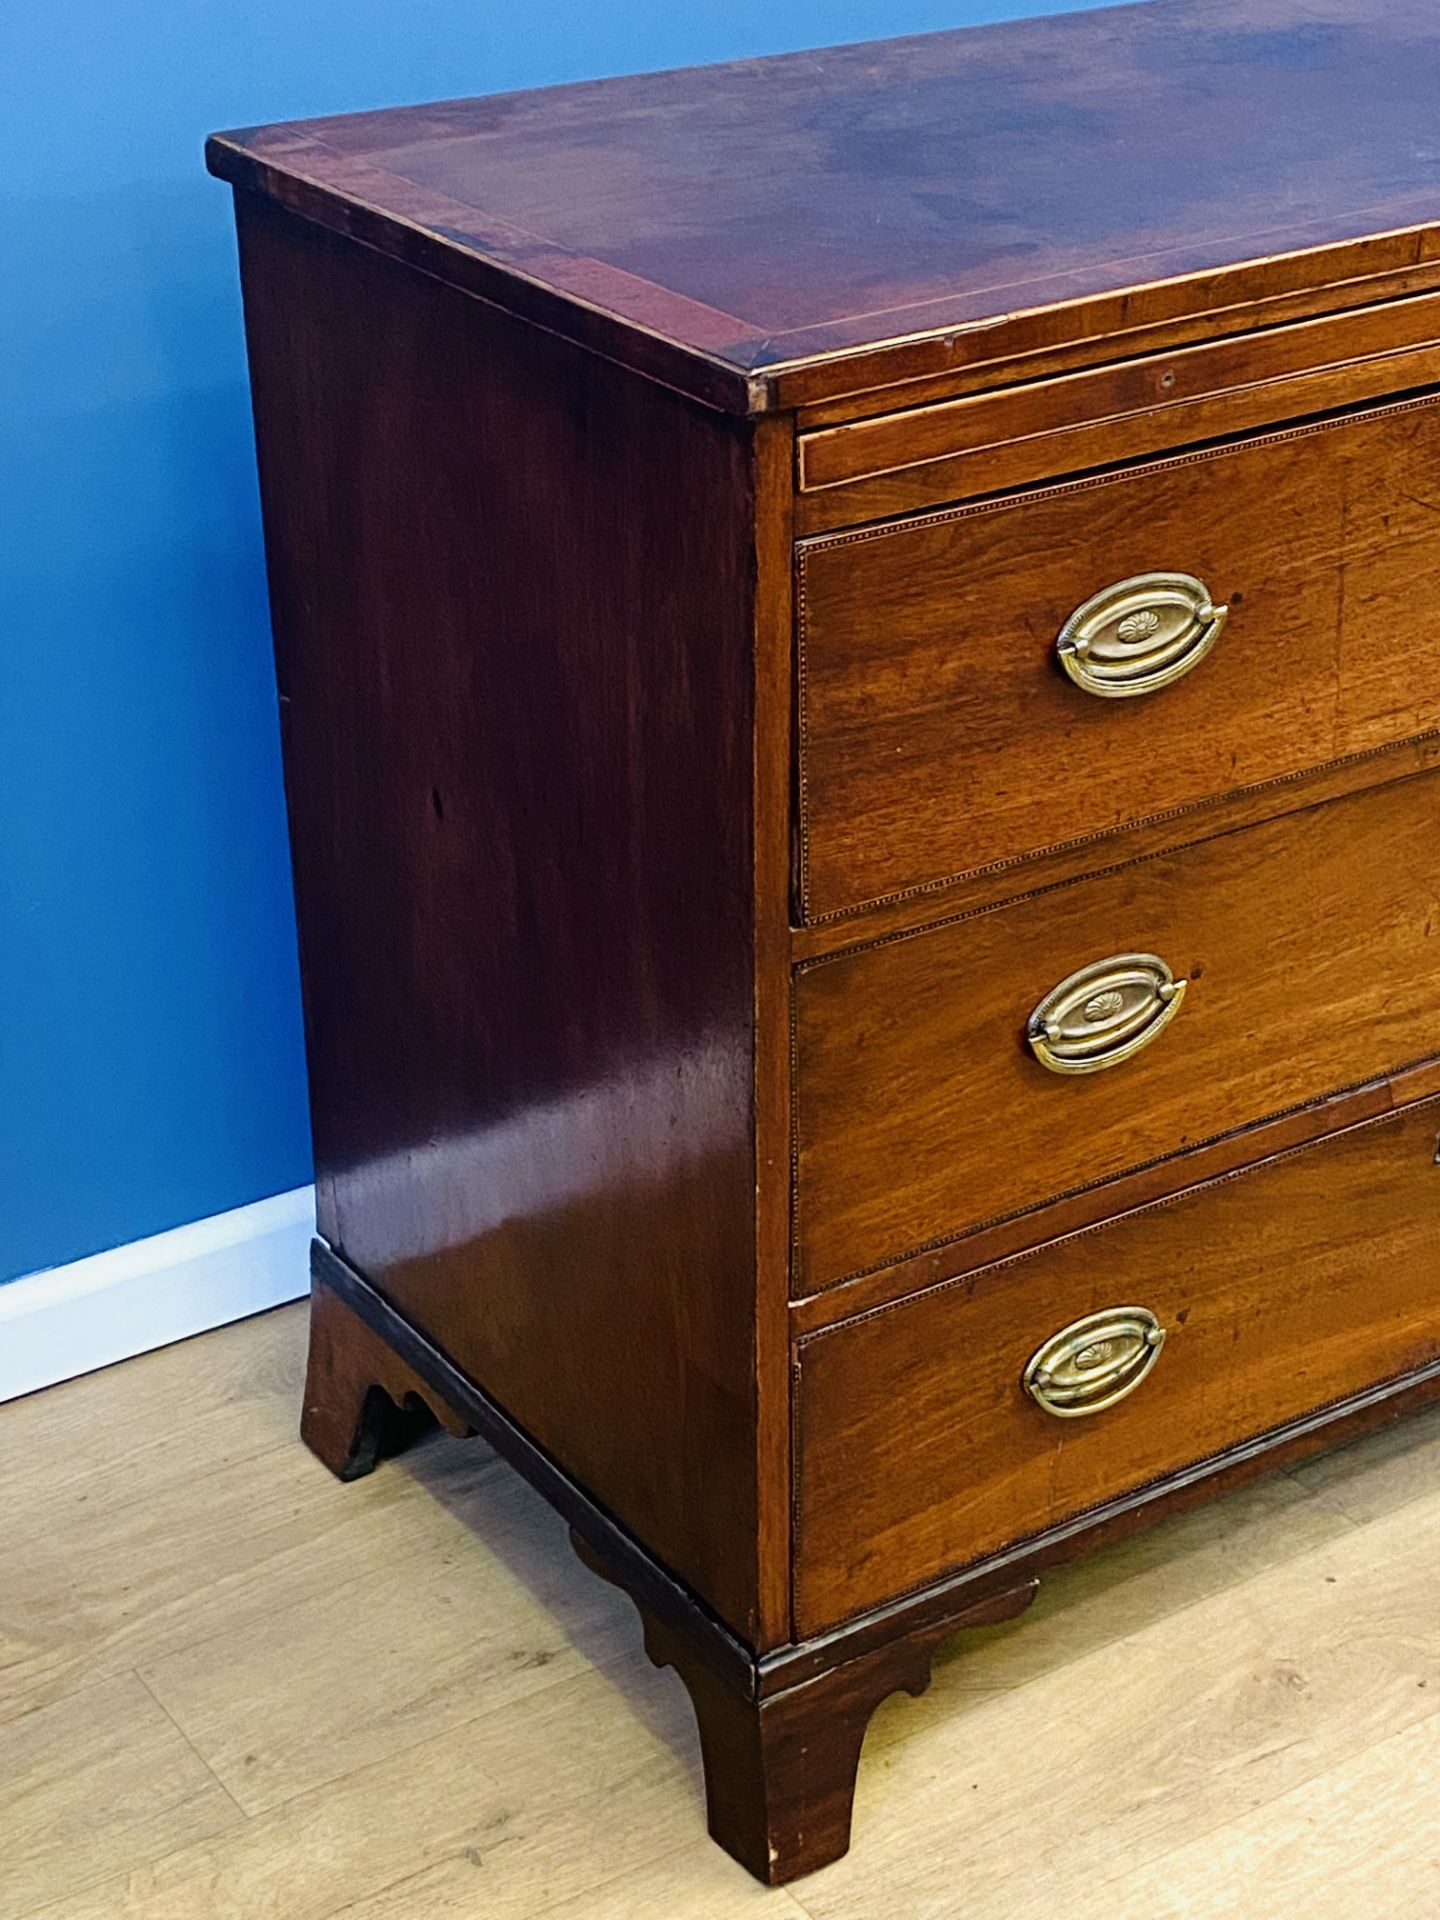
x,y
1140,635
1105,1013
1094,1362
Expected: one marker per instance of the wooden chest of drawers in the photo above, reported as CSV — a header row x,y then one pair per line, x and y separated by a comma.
x,y
860,685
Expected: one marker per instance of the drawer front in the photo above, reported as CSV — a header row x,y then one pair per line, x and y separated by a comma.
x,y
1310,949
981,441
940,733
1278,1291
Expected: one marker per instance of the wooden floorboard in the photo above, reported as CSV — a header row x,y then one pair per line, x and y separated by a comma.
x,y
231,1687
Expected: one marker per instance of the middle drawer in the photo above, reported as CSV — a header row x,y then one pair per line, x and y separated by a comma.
x,y
1310,960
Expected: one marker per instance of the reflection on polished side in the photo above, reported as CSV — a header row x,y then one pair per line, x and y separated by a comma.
x,y
863,783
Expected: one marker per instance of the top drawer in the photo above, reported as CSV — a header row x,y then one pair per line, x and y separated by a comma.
x,y
940,734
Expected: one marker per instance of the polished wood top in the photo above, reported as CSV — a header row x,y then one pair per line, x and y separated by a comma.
x,y
715,224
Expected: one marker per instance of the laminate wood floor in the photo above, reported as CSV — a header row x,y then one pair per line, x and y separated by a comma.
x,y
233,1689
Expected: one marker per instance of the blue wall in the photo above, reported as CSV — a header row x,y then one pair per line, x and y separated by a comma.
x,y
150,1050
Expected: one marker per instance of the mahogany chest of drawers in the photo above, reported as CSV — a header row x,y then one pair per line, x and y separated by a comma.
x,y
859,649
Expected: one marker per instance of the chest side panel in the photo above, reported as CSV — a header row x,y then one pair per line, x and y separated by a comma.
x,y
512,589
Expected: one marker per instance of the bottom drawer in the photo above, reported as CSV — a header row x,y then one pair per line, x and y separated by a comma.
x,y
919,1447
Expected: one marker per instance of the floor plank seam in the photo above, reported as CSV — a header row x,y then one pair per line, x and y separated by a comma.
x,y
190,1743
1320,1496
397,1747
1147,1862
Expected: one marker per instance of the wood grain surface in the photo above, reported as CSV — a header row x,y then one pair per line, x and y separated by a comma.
x,y
1088,1206
1102,444
1161,159
1281,1288
1310,945
1161,393
512,604
940,736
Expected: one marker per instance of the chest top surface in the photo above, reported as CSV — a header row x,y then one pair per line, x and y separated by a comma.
x,y
748,217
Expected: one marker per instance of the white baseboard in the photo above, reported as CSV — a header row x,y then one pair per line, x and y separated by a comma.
x,y
72,1319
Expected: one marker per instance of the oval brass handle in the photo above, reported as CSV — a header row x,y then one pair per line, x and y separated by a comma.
x,y
1140,635
1094,1362
1105,1013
